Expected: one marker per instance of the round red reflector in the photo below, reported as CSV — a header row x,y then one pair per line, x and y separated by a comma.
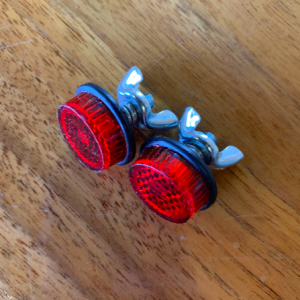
x,y
168,184
92,132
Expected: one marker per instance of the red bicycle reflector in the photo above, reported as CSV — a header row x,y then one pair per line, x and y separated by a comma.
x,y
92,132
169,184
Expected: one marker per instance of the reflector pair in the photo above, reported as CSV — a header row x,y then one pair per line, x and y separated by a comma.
x,y
171,177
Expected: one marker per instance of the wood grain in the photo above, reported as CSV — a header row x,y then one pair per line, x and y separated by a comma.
x,y
68,233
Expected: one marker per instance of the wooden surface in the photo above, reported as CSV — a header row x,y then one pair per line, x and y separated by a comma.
x,y
68,233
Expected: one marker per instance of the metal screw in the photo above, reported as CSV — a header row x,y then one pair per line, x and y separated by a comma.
x,y
137,106
187,134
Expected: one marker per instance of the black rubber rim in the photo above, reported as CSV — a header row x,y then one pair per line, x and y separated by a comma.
x,y
110,102
192,158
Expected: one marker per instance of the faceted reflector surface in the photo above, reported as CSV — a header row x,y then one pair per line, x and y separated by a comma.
x,y
168,184
92,132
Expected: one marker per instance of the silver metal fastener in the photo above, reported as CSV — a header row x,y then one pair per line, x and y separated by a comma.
x,y
187,134
137,106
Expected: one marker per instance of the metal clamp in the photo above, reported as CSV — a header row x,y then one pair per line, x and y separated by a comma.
x,y
137,106
219,160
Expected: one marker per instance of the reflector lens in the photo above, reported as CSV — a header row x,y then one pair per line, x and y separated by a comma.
x,y
92,132
168,184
